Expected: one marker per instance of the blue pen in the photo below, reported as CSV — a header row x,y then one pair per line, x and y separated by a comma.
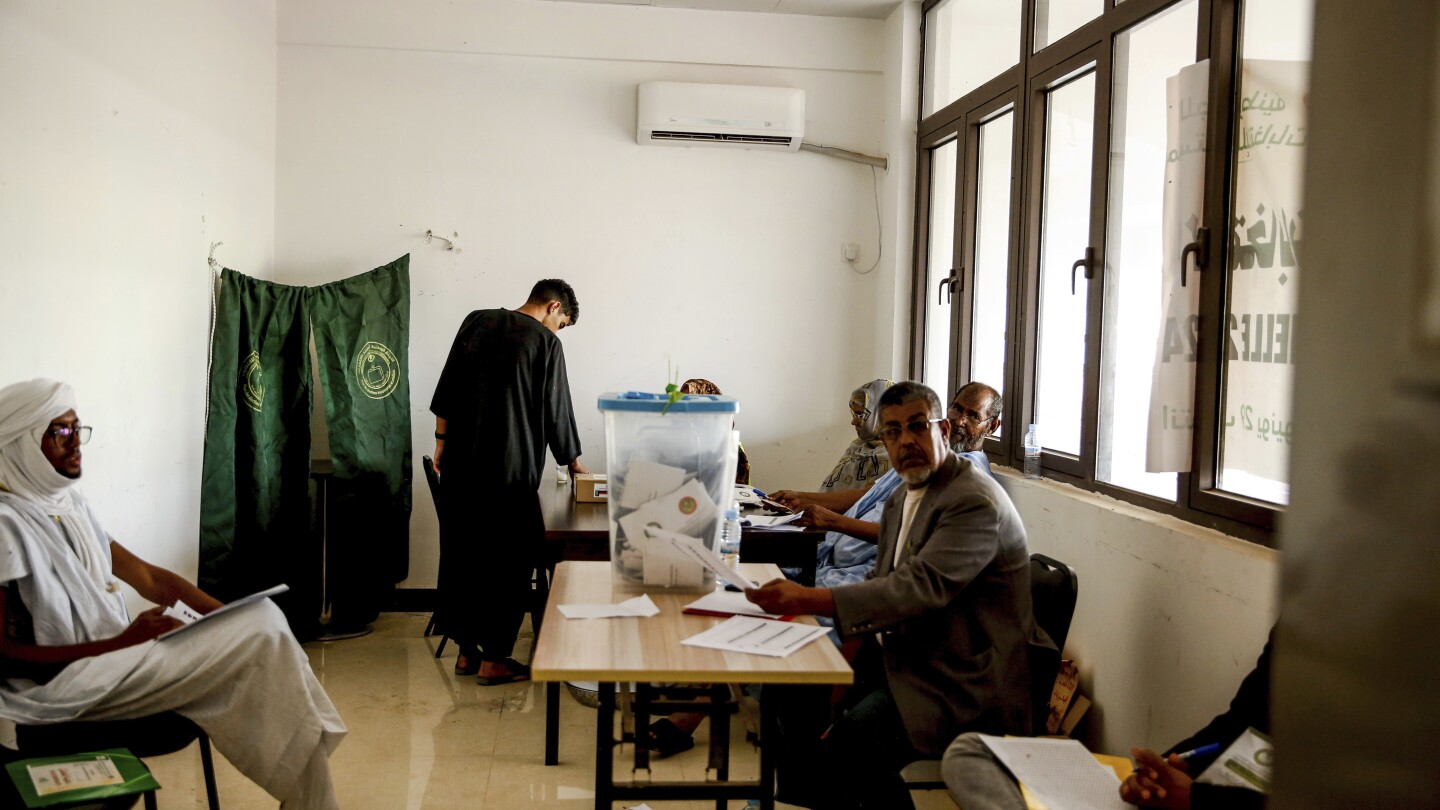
x,y
1204,750
758,492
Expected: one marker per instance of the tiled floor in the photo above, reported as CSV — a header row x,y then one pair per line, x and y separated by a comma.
x,y
421,737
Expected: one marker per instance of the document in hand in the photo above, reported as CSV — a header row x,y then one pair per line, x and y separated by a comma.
x,y
1060,774
223,609
748,634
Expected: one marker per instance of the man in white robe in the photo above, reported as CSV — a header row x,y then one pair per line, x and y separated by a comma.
x,y
69,650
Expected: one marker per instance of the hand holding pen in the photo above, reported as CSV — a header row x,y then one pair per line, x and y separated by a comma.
x,y
1162,782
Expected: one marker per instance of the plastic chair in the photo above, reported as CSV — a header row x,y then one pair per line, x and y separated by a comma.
x,y
152,736
1054,589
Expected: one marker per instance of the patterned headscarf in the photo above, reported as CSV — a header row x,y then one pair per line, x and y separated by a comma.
x,y
698,386
869,394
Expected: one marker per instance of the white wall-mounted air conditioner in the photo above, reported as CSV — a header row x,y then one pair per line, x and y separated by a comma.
x,y
684,114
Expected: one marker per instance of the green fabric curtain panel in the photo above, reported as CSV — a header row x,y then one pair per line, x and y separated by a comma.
x,y
254,497
362,342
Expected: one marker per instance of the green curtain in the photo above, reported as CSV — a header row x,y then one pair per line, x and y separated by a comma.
x,y
362,342
254,496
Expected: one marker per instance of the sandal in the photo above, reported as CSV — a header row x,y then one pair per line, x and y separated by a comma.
x,y
518,672
467,665
666,739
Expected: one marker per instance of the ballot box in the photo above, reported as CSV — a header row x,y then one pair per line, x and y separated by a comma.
x,y
671,469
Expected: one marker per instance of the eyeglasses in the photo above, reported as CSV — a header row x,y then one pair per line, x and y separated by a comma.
x,y
892,433
61,436
968,415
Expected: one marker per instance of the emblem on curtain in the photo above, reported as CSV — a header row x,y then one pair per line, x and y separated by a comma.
x,y
252,383
377,370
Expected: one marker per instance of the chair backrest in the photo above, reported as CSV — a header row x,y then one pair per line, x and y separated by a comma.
x,y
431,478
1053,591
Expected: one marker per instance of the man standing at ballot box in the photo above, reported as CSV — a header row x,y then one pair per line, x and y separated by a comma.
x,y
503,397
944,624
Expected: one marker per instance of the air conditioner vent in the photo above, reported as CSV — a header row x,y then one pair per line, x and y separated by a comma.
x,y
716,137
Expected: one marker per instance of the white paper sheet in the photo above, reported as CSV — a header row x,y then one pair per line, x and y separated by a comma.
x,y
226,608
687,510
639,607
749,634
1060,773
729,603
695,551
774,521
646,480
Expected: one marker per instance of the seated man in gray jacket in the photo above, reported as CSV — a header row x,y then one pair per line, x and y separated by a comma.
x,y
944,623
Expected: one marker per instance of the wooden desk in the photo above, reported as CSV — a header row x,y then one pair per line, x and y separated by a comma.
x,y
648,650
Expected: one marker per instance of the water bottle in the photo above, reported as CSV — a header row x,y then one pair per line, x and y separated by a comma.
x,y
730,537
1032,453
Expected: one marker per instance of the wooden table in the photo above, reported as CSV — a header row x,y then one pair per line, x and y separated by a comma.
x,y
642,651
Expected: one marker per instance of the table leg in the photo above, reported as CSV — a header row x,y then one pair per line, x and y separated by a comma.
x,y
604,745
552,723
769,737
720,736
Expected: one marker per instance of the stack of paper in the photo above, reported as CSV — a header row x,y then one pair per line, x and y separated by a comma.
x,y
748,634
660,497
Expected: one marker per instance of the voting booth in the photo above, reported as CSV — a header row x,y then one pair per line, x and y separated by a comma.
x,y
670,467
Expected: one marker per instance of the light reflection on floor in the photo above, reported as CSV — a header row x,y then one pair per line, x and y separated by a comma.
x,y
422,737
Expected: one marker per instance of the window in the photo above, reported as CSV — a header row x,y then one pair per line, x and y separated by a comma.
x,y
1120,225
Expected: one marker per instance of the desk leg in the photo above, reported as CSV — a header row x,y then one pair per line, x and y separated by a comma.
x,y
769,737
604,747
552,723
720,736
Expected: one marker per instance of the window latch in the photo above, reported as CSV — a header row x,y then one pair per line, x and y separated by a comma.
x,y
1200,248
1088,263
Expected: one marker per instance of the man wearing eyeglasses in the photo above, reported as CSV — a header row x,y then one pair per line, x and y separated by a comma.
x,y
944,622
70,651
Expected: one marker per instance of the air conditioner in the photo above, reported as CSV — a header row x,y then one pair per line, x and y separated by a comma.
x,y
683,114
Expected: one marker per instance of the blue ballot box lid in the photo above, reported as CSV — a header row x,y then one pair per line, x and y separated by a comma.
x,y
646,402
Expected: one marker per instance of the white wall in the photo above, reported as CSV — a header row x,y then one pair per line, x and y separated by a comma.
x,y
1171,616
134,135
726,263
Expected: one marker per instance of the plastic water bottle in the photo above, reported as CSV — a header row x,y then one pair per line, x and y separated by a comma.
x,y
730,536
1032,453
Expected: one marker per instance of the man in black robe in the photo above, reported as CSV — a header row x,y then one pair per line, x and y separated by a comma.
x,y
503,397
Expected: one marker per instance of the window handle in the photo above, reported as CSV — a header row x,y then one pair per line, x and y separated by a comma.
x,y
946,283
1088,263
1201,250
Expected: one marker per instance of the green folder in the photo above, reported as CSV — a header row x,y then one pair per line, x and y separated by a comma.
x,y
42,781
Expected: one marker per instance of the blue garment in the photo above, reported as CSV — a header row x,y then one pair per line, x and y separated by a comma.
x,y
841,559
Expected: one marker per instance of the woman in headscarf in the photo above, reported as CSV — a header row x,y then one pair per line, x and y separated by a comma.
x,y
696,385
865,460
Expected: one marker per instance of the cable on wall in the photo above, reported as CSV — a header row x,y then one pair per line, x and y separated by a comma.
x,y
214,308
449,244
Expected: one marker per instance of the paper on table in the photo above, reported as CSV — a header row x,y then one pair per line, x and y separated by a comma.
x,y
774,521
696,551
1060,773
640,607
647,480
728,603
749,634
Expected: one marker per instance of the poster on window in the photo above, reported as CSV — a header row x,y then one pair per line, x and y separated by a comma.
x,y
1172,392
1263,273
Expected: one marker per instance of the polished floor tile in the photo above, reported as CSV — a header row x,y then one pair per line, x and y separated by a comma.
x,y
422,738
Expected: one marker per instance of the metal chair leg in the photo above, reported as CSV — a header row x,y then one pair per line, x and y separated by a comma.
x,y
207,764
150,800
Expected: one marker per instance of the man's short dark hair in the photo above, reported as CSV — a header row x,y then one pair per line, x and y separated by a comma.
x,y
910,391
555,289
975,385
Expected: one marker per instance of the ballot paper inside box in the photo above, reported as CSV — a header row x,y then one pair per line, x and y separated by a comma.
x,y
671,465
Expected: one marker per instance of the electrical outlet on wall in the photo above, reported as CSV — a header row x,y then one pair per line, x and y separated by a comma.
x,y
850,251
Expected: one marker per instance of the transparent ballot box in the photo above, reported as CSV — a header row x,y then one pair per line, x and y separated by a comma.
x,y
671,468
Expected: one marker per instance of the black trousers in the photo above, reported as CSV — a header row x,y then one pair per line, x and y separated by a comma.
x,y
491,540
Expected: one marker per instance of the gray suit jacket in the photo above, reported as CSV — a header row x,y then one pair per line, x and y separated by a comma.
x,y
954,615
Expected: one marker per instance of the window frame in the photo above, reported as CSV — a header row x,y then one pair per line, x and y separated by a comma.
x,y
1218,38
